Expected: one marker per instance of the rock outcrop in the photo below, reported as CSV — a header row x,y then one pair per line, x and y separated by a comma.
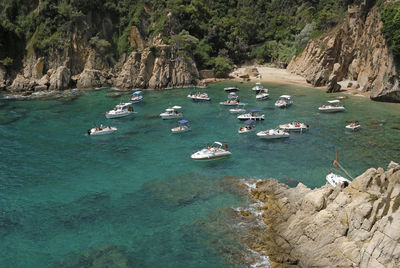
x,y
357,226
357,52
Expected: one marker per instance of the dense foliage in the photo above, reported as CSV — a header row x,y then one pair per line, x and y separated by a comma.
x,y
218,33
390,15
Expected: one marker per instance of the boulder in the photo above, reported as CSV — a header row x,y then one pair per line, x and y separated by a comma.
x,y
60,79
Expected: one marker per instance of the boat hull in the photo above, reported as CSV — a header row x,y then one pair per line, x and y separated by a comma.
x,y
112,116
94,132
271,137
210,157
180,129
351,128
168,116
334,180
331,110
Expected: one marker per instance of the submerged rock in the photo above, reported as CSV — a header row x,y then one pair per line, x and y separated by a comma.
x,y
353,227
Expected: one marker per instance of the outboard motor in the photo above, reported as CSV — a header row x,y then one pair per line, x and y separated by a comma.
x,y
89,131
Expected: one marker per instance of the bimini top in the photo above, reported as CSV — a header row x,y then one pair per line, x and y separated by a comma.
x,y
255,110
176,107
218,143
285,97
249,122
137,92
258,84
232,93
183,121
334,101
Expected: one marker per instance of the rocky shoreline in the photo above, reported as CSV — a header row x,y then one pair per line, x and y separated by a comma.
x,y
357,226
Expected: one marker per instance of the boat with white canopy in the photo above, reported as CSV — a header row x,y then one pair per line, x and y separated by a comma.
x,y
213,152
294,126
101,130
250,127
334,179
253,115
332,107
136,96
233,99
231,89
257,87
199,97
262,94
172,112
183,126
284,101
120,110
273,134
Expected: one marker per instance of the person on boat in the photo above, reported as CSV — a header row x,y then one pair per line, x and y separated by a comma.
x,y
130,109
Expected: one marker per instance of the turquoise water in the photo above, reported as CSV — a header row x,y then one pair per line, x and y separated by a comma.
x,y
137,194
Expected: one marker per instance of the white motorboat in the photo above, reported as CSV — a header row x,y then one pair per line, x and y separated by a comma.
x,y
121,110
213,152
257,87
332,107
231,89
262,94
101,130
183,127
253,115
248,128
231,102
334,179
353,126
238,109
172,113
273,134
294,126
284,101
199,97
136,97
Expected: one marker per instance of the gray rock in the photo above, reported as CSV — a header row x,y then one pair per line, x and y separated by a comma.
x,y
60,79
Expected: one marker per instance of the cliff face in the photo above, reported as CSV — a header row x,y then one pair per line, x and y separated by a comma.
x,y
356,52
358,226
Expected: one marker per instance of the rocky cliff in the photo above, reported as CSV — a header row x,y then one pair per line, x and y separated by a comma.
x,y
355,53
357,226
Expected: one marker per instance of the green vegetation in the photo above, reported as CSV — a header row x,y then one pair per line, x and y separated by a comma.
x,y
216,33
390,15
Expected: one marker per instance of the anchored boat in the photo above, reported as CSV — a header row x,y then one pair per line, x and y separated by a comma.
x,y
284,101
231,89
199,97
334,179
213,152
273,134
294,126
101,130
253,115
257,87
353,126
238,109
121,110
262,94
171,113
136,96
332,107
183,126
250,127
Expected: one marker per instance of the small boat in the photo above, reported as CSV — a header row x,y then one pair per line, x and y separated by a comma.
x,y
171,113
253,115
231,89
284,101
232,100
183,126
248,128
121,110
101,130
213,152
199,97
273,134
334,179
353,126
332,107
257,87
294,126
262,94
238,109
136,97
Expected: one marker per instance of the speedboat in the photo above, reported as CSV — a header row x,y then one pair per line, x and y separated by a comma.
x,y
334,179
353,126
238,109
284,101
257,87
253,115
262,94
183,126
213,152
101,130
332,107
231,89
121,110
136,97
199,97
294,126
171,113
248,128
273,134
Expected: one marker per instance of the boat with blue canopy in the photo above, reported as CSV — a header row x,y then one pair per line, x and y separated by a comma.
x,y
253,115
250,127
136,96
183,126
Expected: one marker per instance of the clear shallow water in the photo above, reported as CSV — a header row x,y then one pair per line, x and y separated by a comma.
x,y
63,192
